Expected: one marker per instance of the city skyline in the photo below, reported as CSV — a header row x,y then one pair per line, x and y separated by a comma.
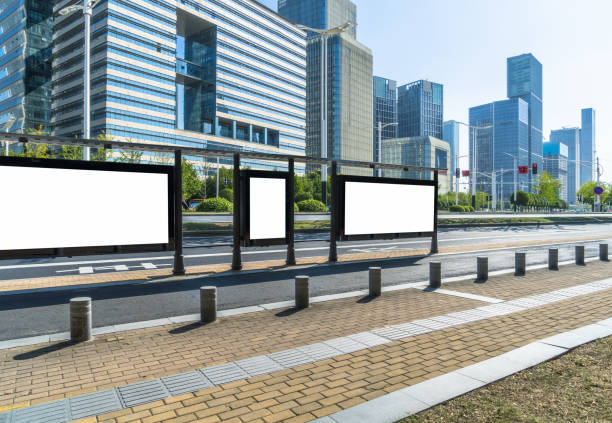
x,y
574,66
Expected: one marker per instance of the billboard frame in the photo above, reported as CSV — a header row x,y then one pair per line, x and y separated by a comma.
x,y
339,204
95,249
245,207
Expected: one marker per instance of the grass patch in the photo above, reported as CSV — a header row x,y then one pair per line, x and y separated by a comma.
x,y
576,387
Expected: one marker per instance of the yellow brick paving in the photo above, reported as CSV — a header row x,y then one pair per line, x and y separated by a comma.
x,y
157,274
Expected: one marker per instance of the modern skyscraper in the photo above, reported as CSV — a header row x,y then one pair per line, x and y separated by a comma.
x,y
555,164
349,90
227,75
450,134
320,14
25,64
504,135
588,146
571,138
385,110
524,75
420,109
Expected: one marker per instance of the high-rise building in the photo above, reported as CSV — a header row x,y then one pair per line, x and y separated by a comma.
x,y
451,134
420,109
499,134
588,146
226,75
385,110
524,75
421,152
25,64
321,14
571,138
555,164
349,89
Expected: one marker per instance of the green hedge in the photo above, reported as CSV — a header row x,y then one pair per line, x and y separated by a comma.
x,y
302,196
215,205
311,206
461,209
228,194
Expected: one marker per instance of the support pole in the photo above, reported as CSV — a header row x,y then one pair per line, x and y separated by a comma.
x,y
179,262
603,252
208,304
434,237
236,258
80,319
375,281
302,295
482,271
580,255
291,215
519,264
553,259
333,251
435,274
87,11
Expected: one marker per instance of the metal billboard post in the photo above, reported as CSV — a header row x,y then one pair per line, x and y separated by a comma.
x,y
333,251
434,238
291,215
179,263
236,259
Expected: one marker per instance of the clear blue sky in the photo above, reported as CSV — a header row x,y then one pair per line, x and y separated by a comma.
x,y
464,44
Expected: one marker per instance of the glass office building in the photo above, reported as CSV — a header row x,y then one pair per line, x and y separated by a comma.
x,y
588,146
420,109
225,74
571,138
555,164
25,67
385,110
524,74
349,89
504,135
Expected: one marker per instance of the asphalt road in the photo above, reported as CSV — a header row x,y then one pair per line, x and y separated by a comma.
x,y
39,313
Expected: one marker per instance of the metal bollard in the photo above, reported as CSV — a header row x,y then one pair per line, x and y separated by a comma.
x,y
435,274
208,304
580,255
603,252
302,298
375,281
553,259
482,269
519,264
80,319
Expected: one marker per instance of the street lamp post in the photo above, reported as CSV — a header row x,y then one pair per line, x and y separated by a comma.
x,y
324,34
474,161
515,176
87,9
379,147
457,157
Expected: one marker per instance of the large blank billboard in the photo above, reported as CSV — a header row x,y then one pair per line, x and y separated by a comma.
x,y
263,207
83,207
386,207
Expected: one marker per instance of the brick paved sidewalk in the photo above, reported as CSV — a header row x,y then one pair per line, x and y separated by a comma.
x,y
42,373
75,280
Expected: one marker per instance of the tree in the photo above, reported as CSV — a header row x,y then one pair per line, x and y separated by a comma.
x,y
586,190
522,198
192,185
548,188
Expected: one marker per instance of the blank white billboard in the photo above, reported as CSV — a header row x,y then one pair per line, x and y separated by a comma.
x,y
63,208
267,208
379,208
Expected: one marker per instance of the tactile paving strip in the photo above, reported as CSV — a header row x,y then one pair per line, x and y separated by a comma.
x,y
143,392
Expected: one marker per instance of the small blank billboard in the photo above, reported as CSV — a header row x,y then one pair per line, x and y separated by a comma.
x,y
380,207
63,207
264,211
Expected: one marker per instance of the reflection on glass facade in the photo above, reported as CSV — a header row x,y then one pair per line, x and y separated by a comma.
x,y
418,151
385,110
504,129
524,74
571,138
420,109
320,14
555,164
227,75
25,64
588,146
450,134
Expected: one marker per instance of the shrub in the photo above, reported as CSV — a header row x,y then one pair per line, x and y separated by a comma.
x,y
302,196
311,206
295,208
457,208
215,205
228,194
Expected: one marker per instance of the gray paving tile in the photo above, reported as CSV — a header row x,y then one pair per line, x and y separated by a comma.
x,y
260,365
142,392
501,309
320,351
94,404
548,298
5,417
526,302
579,336
467,317
607,322
432,324
368,338
291,358
534,353
386,409
224,373
345,345
442,388
186,382
452,321
53,412
492,369
392,333
412,329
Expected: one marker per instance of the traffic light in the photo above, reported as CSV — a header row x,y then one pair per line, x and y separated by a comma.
x,y
523,170
534,169
457,172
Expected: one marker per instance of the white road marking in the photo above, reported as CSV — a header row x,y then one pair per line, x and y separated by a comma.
x,y
85,270
470,296
121,268
149,266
